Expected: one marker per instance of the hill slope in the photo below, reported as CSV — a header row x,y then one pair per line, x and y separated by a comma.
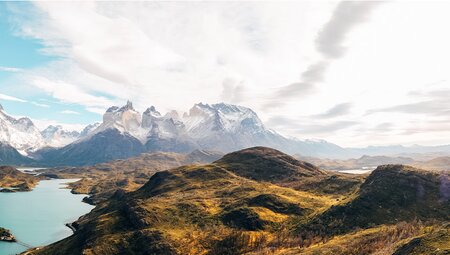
x,y
391,194
231,207
191,210
13,178
10,156
100,181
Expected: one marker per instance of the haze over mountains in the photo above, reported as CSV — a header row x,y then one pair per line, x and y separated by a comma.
x,y
124,132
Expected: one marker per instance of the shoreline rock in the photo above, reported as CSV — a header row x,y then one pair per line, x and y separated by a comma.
x,y
6,236
6,190
73,226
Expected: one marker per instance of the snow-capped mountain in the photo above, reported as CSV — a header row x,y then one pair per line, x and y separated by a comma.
x,y
88,129
125,119
227,127
124,132
20,133
204,120
56,136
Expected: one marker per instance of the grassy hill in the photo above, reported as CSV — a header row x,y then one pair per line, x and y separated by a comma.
x,y
194,210
261,201
13,178
102,180
391,194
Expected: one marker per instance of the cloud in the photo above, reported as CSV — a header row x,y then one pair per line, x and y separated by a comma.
x,y
70,112
300,56
40,104
15,99
70,93
346,16
11,98
309,127
329,42
433,107
128,54
441,93
433,102
335,111
315,73
233,92
10,69
42,124
326,128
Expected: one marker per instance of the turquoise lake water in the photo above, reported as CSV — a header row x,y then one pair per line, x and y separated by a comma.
x,y
37,217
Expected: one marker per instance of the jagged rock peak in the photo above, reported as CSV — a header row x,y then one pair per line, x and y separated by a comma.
x,y
128,106
53,127
112,109
173,115
152,110
25,121
89,128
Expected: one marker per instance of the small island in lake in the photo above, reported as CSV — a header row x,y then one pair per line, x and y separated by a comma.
x,y
6,236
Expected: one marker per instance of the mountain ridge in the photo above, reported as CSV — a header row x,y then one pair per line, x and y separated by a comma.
x,y
217,127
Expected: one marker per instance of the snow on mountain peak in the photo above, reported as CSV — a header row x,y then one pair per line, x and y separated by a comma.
x,y
173,115
149,117
125,119
20,133
25,123
88,129
152,112
56,136
221,117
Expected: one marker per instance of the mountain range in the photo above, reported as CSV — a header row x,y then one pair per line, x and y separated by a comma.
x,y
124,133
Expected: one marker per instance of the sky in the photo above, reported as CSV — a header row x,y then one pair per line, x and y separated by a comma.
x,y
352,73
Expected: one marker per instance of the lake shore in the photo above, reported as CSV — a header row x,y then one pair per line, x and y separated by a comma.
x,y
53,206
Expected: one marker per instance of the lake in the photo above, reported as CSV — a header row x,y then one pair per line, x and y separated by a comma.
x,y
362,170
37,217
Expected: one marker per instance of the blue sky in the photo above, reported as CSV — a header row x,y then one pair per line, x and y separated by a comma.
x,y
19,54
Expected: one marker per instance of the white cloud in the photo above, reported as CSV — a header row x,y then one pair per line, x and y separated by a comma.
x,y
70,93
40,104
139,50
16,99
70,112
10,69
172,55
11,98
42,124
